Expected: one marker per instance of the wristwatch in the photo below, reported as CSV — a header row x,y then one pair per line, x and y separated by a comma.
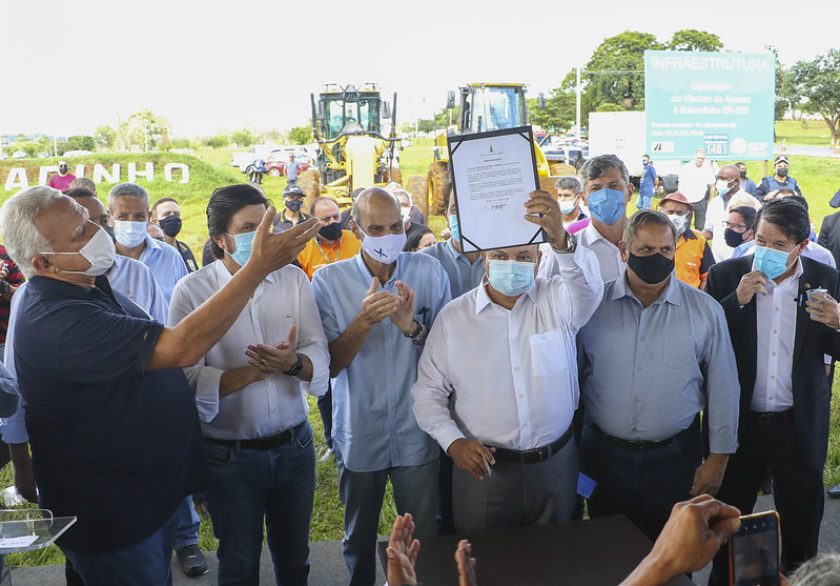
x,y
296,367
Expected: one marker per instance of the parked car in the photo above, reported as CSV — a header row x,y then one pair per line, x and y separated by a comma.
x,y
275,163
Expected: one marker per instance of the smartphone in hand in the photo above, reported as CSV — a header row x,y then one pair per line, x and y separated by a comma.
x,y
754,551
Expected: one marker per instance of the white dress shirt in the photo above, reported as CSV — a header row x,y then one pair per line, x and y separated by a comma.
x,y
512,375
776,335
694,180
610,264
276,403
717,213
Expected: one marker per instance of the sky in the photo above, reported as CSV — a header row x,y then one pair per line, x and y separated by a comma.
x,y
218,65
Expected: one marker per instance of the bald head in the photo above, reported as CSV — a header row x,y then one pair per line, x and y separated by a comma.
x,y
376,212
729,172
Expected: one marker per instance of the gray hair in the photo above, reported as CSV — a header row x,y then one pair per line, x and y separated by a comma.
x,y
823,570
569,184
597,167
127,190
22,238
644,218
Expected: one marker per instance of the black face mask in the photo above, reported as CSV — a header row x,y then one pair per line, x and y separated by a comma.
x,y
171,225
733,238
782,171
293,205
331,232
651,269
744,174
62,169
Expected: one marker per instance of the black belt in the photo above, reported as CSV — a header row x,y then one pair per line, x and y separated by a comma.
x,y
536,455
259,443
691,430
772,416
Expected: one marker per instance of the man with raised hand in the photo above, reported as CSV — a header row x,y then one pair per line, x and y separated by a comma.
x,y
112,422
497,384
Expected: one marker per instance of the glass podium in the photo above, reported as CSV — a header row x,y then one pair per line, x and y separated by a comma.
x,y
28,530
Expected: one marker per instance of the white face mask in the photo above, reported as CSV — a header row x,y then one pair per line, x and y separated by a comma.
x,y
384,249
678,221
722,186
405,213
130,234
99,251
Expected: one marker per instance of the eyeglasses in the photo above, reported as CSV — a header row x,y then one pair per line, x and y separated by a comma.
x,y
736,227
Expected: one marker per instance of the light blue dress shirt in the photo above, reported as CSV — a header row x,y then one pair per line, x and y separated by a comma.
x,y
373,423
647,372
166,265
135,280
463,275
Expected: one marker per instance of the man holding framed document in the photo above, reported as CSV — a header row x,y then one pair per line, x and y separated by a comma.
x,y
493,175
497,383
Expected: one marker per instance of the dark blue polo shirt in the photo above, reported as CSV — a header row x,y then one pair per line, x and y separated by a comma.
x,y
112,443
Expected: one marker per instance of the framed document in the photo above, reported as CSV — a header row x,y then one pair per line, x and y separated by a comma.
x,y
493,175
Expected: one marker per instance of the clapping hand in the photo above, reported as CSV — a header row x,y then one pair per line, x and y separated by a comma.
x,y
278,358
403,314
402,552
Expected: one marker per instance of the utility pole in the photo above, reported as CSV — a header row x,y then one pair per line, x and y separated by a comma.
x,y
578,93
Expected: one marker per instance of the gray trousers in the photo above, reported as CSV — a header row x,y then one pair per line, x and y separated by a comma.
x,y
517,495
415,492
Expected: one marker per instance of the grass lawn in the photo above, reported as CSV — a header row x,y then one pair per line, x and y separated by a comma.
x,y
819,179
806,132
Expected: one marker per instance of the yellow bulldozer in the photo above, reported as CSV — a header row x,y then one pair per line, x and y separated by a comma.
x,y
483,107
347,124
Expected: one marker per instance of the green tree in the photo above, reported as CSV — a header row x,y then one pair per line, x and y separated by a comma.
x,y
218,141
300,135
559,111
818,83
79,143
243,137
694,40
615,72
105,136
144,130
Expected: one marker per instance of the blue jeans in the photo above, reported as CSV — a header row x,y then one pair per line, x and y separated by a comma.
x,y
642,484
188,523
415,492
141,564
250,487
643,201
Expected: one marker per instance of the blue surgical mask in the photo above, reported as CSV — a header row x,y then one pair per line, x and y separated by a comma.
x,y
454,228
510,277
243,247
771,262
607,205
130,234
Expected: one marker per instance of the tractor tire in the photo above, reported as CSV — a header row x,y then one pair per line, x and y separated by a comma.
x,y
394,175
416,186
562,170
310,182
439,185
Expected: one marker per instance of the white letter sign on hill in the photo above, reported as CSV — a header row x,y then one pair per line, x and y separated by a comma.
x,y
148,174
185,172
17,179
45,173
100,174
